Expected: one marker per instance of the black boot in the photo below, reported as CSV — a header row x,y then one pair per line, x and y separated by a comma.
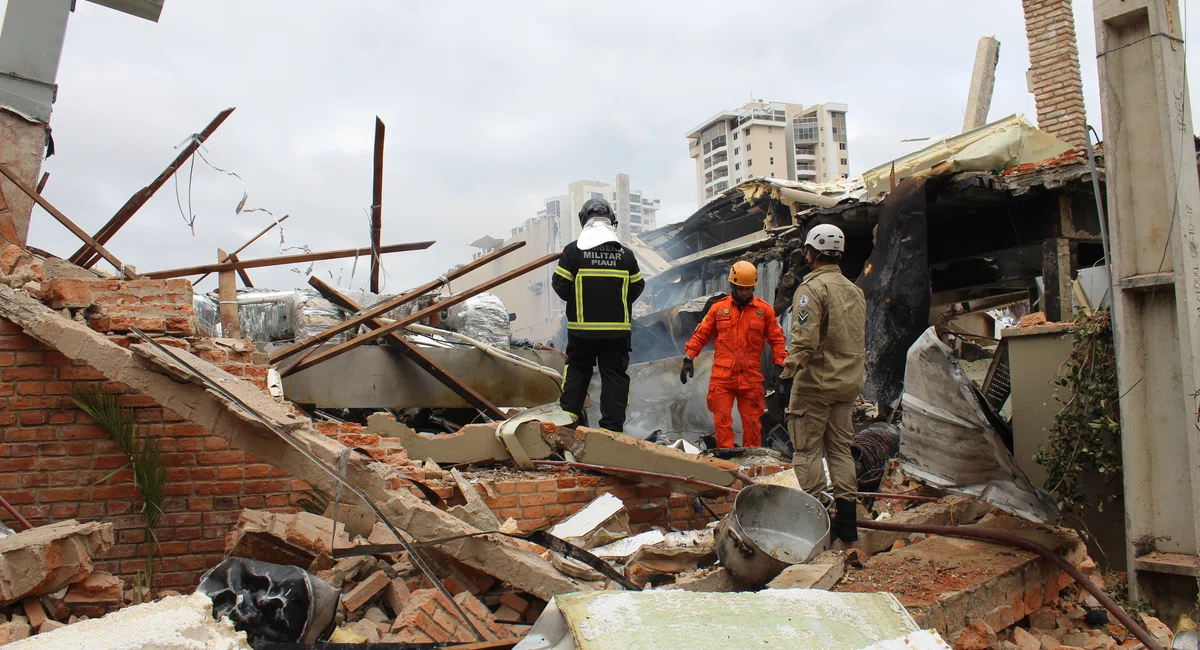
x,y
845,526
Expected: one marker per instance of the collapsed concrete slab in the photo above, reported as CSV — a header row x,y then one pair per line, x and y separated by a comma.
x,y
43,560
153,374
598,447
474,443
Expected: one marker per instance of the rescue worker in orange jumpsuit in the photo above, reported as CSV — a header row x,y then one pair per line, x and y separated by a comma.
x,y
741,323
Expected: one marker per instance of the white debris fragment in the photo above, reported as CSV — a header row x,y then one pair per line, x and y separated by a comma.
x,y
602,521
622,549
173,623
685,446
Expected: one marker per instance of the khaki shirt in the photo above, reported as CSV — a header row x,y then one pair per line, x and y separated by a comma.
x,y
826,355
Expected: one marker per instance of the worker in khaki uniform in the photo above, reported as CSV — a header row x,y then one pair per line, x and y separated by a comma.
x,y
825,364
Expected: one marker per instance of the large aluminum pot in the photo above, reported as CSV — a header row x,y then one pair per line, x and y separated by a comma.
x,y
770,528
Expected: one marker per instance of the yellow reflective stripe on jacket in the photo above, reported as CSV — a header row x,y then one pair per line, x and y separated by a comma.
x,y
581,323
598,327
636,277
560,271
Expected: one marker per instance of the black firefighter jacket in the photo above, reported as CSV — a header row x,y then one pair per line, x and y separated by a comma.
x,y
600,286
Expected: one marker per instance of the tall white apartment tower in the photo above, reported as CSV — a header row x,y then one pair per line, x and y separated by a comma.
x,y
769,140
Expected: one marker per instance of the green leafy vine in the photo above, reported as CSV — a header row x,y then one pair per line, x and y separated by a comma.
x,y
1085,441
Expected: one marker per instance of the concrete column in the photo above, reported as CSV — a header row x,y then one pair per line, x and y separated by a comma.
x,y
1153,204
22,146
622,208
983,81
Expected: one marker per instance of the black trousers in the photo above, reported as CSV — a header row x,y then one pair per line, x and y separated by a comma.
x,y
612,355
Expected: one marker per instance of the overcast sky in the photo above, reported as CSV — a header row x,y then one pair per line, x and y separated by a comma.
x,y
490,107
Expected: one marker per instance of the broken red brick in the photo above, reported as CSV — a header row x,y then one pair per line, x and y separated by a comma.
x,y
366,590
98,588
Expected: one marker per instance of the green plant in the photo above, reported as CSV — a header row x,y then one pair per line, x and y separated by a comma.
x,y
1085,440
145,460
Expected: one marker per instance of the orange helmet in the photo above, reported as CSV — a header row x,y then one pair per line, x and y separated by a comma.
x,y
743,274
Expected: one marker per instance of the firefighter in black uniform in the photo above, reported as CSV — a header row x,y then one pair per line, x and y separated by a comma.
x,y
599,279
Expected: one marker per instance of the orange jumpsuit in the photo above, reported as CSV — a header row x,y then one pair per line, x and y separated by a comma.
x,y
740,334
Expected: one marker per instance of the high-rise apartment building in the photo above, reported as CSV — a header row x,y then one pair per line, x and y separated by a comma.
x,y
769,140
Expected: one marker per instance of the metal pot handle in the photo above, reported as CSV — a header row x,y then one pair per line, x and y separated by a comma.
x,y
746,550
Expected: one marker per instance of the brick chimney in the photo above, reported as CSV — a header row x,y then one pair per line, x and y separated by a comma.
x,y
1054,77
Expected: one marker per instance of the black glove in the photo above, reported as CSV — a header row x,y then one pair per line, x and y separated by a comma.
x,y
689,370
784,388
779,370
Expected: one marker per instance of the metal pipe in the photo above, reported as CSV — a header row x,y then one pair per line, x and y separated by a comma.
x,y
1091,154
1024,544
16,515
901,497
636,472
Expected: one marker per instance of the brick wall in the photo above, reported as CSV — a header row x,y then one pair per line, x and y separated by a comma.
x,y
1054,69
52,454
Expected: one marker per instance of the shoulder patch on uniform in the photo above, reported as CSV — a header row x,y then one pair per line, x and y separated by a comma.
x,y
802,299
802,316
760,313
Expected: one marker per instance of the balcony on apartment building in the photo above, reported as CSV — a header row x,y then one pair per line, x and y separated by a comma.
x,y
714,144
762,114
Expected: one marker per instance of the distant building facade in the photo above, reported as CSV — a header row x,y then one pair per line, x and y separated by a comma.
x,y
769,140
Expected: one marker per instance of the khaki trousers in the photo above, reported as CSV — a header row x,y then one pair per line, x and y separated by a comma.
x,y
823,430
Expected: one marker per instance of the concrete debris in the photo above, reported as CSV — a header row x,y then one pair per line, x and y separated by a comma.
x,y
653,565
476,512
822,573
182,622
359,521
45,559
713,579
474,443
280,538
608,449
602,521
620,550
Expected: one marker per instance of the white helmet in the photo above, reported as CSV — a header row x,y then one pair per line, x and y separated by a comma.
x,y
826,238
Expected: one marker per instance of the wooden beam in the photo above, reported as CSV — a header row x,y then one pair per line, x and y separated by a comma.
x,y
232,257
42,183
62,218
384,307
244,247
228,306
377,203
374,335
282,260
86,256
402,346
